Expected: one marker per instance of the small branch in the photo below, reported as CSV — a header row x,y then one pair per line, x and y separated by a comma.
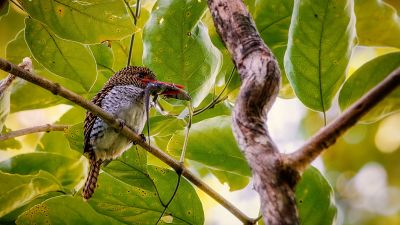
x,y
31,130
327,136
57,89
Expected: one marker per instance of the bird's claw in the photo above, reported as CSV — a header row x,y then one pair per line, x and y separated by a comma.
x,y
121,124
142,137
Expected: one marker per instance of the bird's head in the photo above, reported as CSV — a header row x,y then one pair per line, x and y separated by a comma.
x,y
142,76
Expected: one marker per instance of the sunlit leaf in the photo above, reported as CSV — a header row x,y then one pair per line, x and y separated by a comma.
x,y
178,48
68,59
55,142
17,190
378,24
314,190
64,210
319,47
367,77
211,142
4,8
69,172
91,21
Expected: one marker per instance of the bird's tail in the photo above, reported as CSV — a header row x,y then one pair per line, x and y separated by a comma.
x,y
91,180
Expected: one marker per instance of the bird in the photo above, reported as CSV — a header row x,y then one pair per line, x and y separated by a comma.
x,y
124,96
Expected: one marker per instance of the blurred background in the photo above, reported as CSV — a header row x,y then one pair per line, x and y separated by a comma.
x,y
363,167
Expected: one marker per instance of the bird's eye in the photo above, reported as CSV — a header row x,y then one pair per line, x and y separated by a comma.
x,y
141,75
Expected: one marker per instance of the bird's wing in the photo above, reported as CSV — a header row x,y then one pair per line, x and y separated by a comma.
x,y
91,118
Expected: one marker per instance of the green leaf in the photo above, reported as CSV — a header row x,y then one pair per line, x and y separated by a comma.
x,y
378,24
314,190
18,190
65,58
4,8
132,204
104,57
319,47
131,168
368,76
272,19
178,48
211,142
234,180
25,95
186,205
91,21
64,210
69,172
12,216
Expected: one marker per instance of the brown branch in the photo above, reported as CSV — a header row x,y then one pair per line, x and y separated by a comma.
x,y
327,136
57,89
260,77
31,130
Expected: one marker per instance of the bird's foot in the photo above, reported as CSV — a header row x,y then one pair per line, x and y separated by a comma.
x,y
142,138
121,124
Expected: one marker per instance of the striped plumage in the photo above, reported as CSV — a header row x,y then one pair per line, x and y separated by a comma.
x,y
122,96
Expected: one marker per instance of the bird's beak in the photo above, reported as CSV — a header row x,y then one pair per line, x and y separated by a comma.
x,y
171,90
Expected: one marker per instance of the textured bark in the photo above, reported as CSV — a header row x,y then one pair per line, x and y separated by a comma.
x,y
260,77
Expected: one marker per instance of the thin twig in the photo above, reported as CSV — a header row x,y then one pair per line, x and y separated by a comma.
x,y
31,130
57,89
328,135
135,19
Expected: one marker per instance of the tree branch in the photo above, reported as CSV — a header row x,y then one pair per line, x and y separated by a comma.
x,y
260,77
327,136
57,89
31,130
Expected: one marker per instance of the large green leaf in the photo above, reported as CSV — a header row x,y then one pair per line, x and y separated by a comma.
x,y
178,48
134,205
65,58
29,96
186,205
17,190
378,24
367,77
64,210
4,8
211,142
272,18
69,172
91,21
319,47
314,191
